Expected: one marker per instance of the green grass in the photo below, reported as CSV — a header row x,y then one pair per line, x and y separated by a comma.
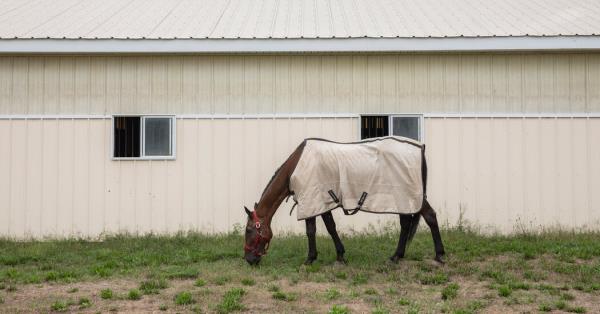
x,y
184,298
553,266
106,294
134,294
84,303
59,306
232,301
282,296
339,309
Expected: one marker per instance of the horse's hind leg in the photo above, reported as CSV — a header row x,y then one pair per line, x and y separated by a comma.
x,y
339,247
430,218
311,233
405,222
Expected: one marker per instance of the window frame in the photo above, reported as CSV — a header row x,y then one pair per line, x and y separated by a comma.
x,y
172,139
390,117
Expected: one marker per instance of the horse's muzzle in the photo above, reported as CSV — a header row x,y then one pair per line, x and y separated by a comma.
x,y
252,259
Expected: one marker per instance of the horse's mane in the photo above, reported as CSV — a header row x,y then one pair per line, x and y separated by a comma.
x,y
300,147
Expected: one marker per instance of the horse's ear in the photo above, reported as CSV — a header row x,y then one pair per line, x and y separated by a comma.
x,y
255,206
248,211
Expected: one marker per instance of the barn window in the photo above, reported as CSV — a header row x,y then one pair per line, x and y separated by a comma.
x,y
143,137
401,125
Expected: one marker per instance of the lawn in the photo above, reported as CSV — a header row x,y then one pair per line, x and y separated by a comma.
x,y
198,273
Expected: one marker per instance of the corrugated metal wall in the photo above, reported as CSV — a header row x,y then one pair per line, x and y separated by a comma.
x,y
252,84
57,177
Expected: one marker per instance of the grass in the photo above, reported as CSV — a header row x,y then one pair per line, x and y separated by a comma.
x,y
232,301
184,298
339,309
553,269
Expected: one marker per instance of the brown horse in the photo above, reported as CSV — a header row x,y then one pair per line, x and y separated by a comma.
x,y
258,228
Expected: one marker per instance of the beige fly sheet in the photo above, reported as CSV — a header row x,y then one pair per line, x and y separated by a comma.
x,y
385,172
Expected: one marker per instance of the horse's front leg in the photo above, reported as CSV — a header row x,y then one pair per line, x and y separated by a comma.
x,y
405,223
311,233
339,247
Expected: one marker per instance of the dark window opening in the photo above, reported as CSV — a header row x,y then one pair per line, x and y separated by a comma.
x,y
374,126
406,127
127,136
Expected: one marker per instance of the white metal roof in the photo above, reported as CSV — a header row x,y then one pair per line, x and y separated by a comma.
x,y
293,19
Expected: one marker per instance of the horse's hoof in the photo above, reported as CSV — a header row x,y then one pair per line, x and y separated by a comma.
x,y
341,260
439,259
395,259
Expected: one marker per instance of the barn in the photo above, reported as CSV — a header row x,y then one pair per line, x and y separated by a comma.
x,y
152,116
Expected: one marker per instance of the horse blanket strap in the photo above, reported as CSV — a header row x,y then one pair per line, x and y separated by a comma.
x,y
389,170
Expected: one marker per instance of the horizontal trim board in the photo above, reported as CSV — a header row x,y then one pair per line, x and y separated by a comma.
x,y
308,116
158,46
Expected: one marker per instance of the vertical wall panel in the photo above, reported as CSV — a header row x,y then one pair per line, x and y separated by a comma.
x,y
5,175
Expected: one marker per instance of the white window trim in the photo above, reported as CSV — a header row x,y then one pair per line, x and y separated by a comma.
x,y
172,139
391,121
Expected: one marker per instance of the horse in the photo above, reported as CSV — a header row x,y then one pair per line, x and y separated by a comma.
x,y
258,232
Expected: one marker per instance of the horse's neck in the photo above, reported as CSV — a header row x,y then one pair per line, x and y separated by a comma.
x,y
278,189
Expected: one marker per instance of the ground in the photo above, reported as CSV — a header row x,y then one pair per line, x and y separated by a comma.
x,y
554,271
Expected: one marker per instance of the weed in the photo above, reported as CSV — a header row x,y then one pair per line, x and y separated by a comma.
x,y
567,296
332,294
339,309
561,305
59,306
106,294
153,286
341,275
134,294
84,303
72,290
231,301
248,282
200,282
450,291
577,309
163,307
184,298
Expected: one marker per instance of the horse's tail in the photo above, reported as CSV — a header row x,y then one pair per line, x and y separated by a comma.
x,y
416,219
414,224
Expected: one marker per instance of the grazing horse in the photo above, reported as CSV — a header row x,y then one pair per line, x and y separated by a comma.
x,y
258,228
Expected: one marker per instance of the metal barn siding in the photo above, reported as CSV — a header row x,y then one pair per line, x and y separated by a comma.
x,y
254,84
514,174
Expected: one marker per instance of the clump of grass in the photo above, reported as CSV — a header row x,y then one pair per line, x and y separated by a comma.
x,y
567,296
341,275
248,282
577,309
561,305
332,294
403,302
370,291
273,288
184,298
72,290
84,303
504,291
221,280
545,307
59,306
200,282
153,286
360,279
106,294
231,301
183,273
433,279
450,291
134,294
339,309
163,307
379,309
280,295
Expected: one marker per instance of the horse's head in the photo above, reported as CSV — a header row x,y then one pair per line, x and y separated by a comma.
x,y
258,236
